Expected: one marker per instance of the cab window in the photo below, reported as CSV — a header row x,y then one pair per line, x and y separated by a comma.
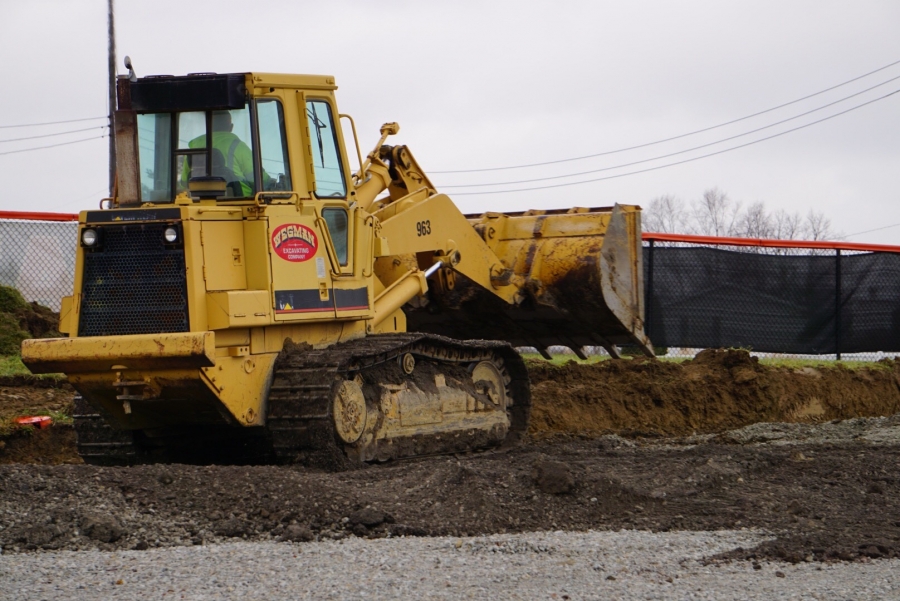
x,y
326,156
155,156
272,145
337,228
176,147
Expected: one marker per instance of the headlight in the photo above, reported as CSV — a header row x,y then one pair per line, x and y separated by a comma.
x,y
171,235
89,237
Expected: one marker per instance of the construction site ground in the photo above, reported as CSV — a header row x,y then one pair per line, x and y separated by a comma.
x,y
809,455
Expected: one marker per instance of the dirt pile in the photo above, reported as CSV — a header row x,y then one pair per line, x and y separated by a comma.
x,y
20,319
718,390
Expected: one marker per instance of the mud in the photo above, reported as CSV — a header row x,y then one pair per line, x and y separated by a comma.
x,y
690,450
717,391
828,502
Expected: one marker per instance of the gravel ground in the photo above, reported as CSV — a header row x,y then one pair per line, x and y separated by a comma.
x,y
553,565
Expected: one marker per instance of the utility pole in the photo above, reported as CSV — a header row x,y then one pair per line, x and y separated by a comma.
x,y
112,98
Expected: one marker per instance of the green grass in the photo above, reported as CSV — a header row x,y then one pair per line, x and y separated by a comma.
x,y
824,364
562,359
12,365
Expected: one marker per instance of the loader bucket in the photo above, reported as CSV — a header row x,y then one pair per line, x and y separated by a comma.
x,y
580,276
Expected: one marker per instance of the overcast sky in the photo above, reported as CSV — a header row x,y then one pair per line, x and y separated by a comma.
x,y
482,84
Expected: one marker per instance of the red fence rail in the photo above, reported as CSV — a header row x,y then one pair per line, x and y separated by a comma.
x,y
38,216
726,241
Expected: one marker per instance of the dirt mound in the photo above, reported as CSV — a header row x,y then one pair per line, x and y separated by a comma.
x,y
718,390
20,319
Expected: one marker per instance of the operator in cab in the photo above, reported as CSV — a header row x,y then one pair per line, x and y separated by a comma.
x,y
232,158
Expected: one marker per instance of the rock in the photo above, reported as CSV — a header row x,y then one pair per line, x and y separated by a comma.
x,y
297,534
166,479
102,528
38,535
231,527
779,574
553,477
404,530
141,545
368,517
796,507
610,442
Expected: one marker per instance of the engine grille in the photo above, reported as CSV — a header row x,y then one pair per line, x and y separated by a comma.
x,y
133,284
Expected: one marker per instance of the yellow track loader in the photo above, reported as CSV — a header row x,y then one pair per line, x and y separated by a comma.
x,y
247,297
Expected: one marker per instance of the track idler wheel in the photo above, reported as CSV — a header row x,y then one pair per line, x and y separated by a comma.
x,y
349,411
490,382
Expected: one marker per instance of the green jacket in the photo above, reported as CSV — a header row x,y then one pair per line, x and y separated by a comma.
x,y
238,160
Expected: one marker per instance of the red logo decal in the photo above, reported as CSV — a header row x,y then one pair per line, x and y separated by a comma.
x,y
294,242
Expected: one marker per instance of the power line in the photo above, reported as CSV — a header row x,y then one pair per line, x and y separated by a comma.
x,y
53,145
877,229
53,122
599,154
599,179
62,133
671,154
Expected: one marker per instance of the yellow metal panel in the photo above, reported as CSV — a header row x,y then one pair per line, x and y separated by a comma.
x,y
436,224
301,273
256,245
238,309
66,315
236,337
284,80
242,385
257,340
140,351
223,255
193,262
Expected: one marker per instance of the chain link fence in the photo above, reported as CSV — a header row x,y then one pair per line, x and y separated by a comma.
x,y
774,298
37,255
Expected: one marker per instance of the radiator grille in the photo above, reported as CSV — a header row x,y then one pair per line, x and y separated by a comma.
x,y
134,284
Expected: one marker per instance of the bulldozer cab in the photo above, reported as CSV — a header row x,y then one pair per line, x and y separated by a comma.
x,y
228,138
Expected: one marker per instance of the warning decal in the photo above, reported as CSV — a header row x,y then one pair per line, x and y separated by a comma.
x,y
294,242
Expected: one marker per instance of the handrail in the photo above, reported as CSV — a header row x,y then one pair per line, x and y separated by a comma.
x,y
728,241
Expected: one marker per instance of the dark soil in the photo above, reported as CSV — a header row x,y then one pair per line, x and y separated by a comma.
x,y
821,501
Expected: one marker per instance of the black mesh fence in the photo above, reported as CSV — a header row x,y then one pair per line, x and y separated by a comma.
x,y
819,302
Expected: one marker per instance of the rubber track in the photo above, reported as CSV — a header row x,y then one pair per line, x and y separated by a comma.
x,y
99,443
305,382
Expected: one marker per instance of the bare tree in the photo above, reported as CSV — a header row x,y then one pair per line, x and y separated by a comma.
x,y
667,215
715,213
786,226
754,222
817,226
